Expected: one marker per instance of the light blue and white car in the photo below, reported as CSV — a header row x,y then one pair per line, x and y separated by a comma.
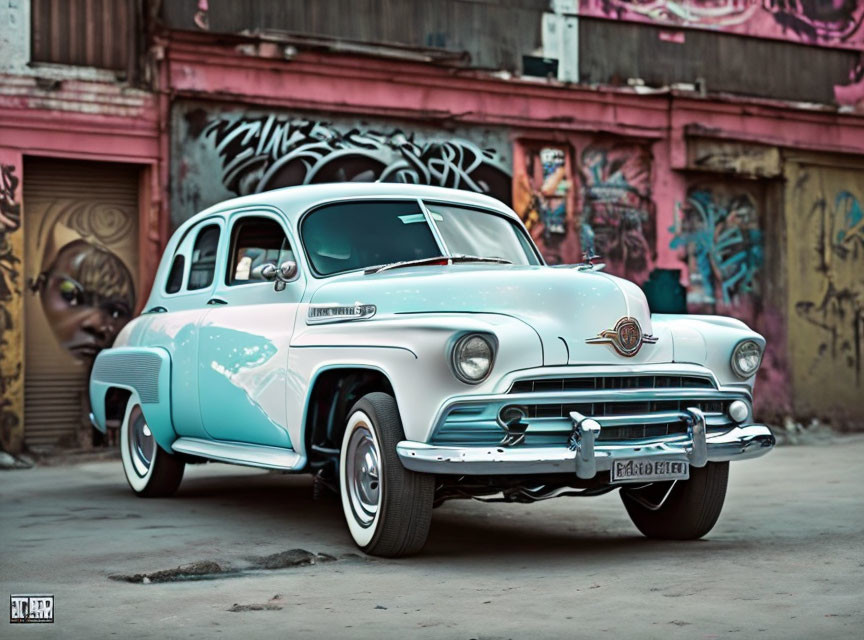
x,y
408,345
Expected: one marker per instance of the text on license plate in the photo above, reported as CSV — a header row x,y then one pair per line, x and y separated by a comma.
x,y
649,470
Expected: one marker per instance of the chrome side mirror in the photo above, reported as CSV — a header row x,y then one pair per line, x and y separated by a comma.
x,y
264,272
286,273
288,270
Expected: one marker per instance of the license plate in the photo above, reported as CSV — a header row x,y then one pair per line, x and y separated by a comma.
x,y
649,470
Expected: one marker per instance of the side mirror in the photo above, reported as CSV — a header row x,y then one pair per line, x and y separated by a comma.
x,y
288,270
286,273
264,272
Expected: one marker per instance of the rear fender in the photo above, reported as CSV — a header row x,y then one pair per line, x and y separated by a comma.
x,y
144,371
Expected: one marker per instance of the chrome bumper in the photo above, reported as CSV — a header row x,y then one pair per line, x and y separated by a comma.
x,y
585,456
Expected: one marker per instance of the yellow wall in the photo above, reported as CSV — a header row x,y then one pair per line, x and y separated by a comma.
x,y
825,235
11,304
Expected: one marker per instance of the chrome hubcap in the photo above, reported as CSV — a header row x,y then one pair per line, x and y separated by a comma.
x,y
363,475
142,446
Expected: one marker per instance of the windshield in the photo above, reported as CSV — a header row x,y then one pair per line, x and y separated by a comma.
x,y
355,235
471,232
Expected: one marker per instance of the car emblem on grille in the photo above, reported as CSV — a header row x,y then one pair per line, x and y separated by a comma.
x,y
626,338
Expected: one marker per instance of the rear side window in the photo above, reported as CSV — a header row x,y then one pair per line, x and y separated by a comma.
x,y
175,278
256,241
203,262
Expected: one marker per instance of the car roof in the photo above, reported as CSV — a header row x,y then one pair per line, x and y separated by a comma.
x,y
294,201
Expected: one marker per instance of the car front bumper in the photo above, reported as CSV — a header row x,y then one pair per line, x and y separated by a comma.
x,y
585,456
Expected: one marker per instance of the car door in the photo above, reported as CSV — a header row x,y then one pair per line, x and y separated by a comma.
x,y
245,334
174,324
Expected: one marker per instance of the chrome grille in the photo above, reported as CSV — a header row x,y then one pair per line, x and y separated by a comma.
x,y
586,383
599,409
548,402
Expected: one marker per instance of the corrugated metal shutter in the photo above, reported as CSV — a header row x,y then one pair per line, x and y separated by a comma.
x,y
91,33
92,207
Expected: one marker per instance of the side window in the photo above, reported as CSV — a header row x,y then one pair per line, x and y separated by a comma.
x,y
255,241
175,277
203,262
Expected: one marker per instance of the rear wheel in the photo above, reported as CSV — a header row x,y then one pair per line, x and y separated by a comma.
x,y
681,510
151,471
388,508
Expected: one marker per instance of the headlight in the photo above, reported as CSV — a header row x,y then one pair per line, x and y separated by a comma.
x,y
472,358
745,358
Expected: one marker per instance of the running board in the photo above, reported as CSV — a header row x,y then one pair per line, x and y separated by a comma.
x,y
248,455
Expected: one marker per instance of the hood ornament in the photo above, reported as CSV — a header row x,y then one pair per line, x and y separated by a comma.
x,y
626,338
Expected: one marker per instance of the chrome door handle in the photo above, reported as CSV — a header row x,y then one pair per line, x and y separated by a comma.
x,y
159,309
217,301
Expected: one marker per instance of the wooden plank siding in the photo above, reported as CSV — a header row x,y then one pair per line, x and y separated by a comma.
x,y
87,33
610,52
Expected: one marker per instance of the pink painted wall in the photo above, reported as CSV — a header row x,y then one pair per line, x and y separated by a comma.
x,y
827,23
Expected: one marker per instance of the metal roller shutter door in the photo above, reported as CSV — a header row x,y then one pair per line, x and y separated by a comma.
x,y
64,201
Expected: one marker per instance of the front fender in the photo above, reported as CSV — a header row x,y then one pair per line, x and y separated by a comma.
x,y
413,351
708,341
146,372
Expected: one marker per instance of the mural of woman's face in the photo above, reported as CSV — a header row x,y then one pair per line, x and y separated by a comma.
x,y
88,295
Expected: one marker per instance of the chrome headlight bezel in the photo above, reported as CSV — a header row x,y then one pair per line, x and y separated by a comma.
x,y
457,351
749,343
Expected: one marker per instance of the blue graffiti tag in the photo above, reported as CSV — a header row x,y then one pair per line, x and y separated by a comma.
x,y
722,236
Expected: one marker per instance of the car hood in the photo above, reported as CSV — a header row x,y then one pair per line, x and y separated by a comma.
x,y
565,306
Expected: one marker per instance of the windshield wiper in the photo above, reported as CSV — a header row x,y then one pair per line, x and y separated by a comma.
x,y
433,260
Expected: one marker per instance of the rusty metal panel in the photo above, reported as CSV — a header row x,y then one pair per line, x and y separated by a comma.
x,y
741,158
92,33
611,52
496,33
825,221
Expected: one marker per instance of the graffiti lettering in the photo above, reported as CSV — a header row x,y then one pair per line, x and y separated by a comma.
x,y
841,314
840,311
10,221
264,153
720,235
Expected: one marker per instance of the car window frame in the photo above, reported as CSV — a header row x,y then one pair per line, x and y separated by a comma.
x,y
236,216
184,248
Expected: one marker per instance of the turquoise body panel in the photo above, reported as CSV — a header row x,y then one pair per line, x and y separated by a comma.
x,y
146,372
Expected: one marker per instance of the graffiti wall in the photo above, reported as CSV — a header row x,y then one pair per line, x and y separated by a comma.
x,y
831,23
543,195
598,204
826,284
11,250
618,216
255,152
719,238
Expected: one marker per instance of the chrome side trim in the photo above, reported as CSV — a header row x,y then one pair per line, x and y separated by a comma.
x,y
329,312
739,443
248,455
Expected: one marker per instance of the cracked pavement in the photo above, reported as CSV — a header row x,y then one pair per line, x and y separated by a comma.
x,y
246,552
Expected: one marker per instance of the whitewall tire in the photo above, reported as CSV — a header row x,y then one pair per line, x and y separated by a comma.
x,y
150,470
388,509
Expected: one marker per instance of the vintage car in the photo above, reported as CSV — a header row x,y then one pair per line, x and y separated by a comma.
x,y
408,345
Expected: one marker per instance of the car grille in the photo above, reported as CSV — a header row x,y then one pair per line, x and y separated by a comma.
x,y
550,423
586,383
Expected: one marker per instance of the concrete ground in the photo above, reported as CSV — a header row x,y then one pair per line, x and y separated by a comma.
x,y
786,560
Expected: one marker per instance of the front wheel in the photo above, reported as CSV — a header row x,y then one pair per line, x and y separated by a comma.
x,y
388,508
681,510
151,471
